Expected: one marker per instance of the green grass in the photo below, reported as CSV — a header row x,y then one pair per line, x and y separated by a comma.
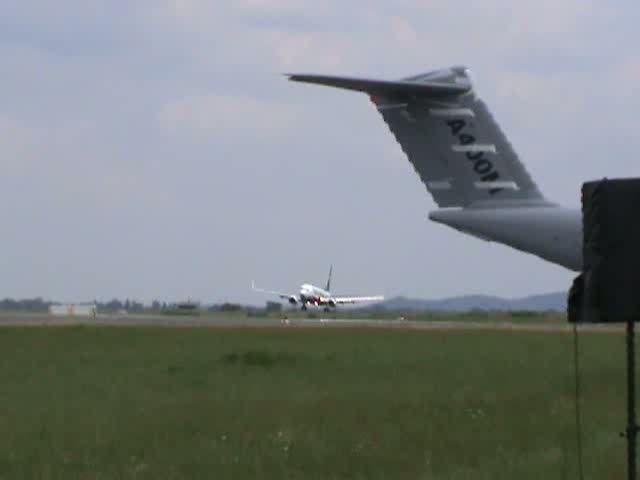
x,y
517,316
286,403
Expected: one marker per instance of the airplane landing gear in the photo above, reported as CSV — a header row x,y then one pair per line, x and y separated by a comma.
x,y
304,307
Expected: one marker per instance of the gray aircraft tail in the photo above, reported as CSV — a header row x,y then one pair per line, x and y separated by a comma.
x,y
466,162
450,137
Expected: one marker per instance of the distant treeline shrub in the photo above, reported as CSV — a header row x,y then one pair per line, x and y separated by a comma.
x,y
229,307
34,305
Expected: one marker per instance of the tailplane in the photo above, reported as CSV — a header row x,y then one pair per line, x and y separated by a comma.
x,y
449,136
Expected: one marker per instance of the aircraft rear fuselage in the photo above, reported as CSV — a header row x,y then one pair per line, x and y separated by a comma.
x,y
551,232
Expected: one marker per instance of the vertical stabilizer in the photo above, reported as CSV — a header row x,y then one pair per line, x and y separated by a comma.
x,y
450,137
328,287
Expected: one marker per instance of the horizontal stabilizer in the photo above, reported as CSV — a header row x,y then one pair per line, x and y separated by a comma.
x,y
384,87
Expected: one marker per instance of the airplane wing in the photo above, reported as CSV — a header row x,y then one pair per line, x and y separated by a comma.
x,y
271,292
344,300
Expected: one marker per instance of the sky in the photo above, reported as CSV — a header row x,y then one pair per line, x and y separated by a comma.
x,y
153,148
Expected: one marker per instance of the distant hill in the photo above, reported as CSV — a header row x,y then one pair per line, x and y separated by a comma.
x,y
545,302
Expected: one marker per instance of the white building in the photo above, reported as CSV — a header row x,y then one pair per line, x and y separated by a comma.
x,y
73,310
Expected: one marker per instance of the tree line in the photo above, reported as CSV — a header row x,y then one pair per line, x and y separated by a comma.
x,y
39,305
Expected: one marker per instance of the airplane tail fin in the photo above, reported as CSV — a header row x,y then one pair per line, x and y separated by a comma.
x,y
450,137
328,287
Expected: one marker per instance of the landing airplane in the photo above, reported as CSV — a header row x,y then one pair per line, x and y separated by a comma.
x,y
467,164
319,297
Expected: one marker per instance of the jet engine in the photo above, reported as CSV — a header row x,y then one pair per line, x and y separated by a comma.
x,y
293,300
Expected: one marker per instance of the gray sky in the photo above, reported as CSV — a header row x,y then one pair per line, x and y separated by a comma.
x,y
151,149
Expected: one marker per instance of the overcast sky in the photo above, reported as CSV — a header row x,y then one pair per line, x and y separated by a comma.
x,y
152,148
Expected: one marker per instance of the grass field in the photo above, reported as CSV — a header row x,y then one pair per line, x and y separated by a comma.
x,y
286,403
473,316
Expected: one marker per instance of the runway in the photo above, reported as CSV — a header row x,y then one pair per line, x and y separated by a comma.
x,y
232,321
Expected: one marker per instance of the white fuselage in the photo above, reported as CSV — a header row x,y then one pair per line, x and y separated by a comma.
x,y
315,295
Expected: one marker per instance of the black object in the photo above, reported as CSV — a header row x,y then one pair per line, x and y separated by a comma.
x,y
611,250
575,300
606,291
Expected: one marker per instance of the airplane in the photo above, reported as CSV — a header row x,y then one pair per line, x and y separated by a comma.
x,y
319,297
467,164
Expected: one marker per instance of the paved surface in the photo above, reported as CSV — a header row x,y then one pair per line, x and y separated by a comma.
x,y
227,321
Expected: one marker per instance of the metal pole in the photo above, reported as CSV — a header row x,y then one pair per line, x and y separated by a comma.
x,y
632,428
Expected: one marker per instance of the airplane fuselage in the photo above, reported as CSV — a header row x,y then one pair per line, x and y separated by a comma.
x,y
314,295
550,232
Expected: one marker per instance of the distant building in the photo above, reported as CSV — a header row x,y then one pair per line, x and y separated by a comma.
x,y
73,310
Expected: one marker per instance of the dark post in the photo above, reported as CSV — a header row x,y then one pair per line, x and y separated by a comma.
x,y
611,274
632,428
